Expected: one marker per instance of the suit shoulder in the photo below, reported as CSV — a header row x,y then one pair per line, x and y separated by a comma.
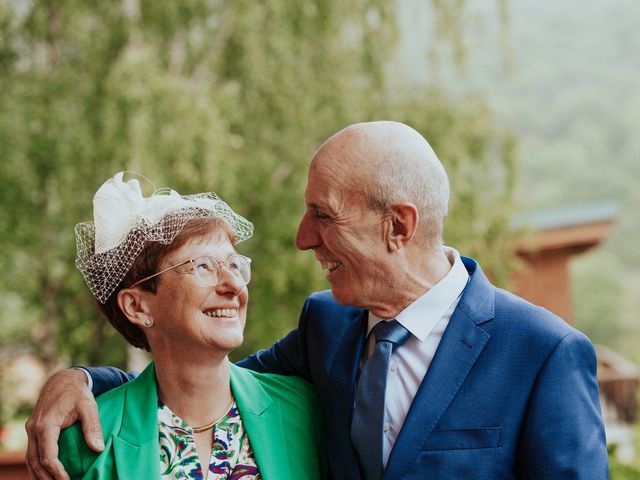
x,y
113,397
516,312
324,301
288,388
298,398
74,451
110,408
322,298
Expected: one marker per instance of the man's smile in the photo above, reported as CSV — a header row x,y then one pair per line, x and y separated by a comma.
x,y
329,265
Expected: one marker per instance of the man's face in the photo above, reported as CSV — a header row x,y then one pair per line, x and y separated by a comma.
x,y
344,233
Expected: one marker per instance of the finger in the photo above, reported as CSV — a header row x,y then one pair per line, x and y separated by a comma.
x,y
42,473
34,468
48,453
55,409
32,471
32,475
91,428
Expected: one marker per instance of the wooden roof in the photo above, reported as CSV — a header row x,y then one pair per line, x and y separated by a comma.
x,y
577,228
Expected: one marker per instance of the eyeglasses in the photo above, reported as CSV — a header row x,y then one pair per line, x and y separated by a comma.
x,y
207,269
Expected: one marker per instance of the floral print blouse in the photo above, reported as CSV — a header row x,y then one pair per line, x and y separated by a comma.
x,y
231,454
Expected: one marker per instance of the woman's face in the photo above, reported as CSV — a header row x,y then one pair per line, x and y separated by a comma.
x,y
187,315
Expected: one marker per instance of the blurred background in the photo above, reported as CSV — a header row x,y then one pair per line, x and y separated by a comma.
x,y
533,107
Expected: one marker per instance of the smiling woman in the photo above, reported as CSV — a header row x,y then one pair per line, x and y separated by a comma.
x,y
157,258
166,274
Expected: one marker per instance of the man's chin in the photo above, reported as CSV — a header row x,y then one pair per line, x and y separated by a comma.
x,y
342,297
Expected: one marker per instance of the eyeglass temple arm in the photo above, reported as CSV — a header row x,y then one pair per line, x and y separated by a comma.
x,y
141,281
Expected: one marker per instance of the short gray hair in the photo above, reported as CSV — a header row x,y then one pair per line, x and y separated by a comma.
x,y
411,175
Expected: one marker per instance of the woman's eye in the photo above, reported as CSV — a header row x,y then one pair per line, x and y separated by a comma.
x,y
203,267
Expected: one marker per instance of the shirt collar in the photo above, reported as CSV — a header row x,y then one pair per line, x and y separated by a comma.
x,y
426,311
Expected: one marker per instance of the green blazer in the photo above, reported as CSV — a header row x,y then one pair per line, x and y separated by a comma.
x,y
281,414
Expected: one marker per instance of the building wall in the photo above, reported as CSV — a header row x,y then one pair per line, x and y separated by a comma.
x,y
544,280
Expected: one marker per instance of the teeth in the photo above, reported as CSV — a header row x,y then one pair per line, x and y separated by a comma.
x,y
222,312
331,266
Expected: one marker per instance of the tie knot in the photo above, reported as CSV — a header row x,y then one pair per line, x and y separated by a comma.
x,y
392,332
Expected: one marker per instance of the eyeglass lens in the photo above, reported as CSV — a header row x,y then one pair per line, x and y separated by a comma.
x,y
208,269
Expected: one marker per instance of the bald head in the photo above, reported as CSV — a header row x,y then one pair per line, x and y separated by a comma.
x,y
389,162
383,136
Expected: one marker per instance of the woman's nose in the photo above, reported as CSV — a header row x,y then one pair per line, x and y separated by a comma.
x,y
228,282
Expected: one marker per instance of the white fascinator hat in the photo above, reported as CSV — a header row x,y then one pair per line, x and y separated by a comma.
x,y
124,221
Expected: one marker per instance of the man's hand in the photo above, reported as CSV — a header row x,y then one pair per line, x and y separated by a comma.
x,y
64,399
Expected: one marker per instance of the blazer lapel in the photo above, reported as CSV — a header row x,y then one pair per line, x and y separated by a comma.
x,y
460,347
135,446
136,461
343,376
262,418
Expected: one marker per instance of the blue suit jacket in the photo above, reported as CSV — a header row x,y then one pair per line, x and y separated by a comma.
x,y
511,392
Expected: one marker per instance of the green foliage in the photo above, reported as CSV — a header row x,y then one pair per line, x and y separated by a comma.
x,y
619,471
602,308
622,471
233,96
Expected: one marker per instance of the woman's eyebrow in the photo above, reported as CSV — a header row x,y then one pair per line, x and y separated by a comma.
x,y
217,257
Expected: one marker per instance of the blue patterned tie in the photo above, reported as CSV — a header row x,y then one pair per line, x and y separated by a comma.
x,y
368,414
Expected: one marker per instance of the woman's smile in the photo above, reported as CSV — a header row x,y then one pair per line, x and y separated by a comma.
x,y
222,312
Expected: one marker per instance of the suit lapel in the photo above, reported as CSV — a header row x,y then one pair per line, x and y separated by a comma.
x,y
136,461
135,446
262,417
460,347
136,450
343,376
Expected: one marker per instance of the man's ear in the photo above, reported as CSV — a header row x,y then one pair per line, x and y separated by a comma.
x,y
401,224
135,307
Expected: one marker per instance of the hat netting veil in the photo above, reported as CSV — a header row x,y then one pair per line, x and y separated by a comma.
x,y
124,221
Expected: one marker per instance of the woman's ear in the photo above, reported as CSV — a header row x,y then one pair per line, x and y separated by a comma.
x,y
135,307
401,224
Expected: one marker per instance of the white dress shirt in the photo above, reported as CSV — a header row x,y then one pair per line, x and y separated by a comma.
x,y
426,318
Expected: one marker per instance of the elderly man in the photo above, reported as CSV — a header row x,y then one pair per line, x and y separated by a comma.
x,y
425,369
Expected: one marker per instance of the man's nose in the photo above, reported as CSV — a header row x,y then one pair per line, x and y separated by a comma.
x,y
307,236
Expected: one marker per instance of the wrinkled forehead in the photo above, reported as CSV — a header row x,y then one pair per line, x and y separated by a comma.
x,y
344,161
330,182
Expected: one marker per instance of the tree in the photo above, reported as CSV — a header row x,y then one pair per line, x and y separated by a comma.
x,y
232,96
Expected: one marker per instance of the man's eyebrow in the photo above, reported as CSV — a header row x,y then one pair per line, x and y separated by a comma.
x,y
321,208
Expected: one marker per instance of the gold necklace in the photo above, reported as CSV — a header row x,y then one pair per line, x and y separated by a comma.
x,y
207,426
